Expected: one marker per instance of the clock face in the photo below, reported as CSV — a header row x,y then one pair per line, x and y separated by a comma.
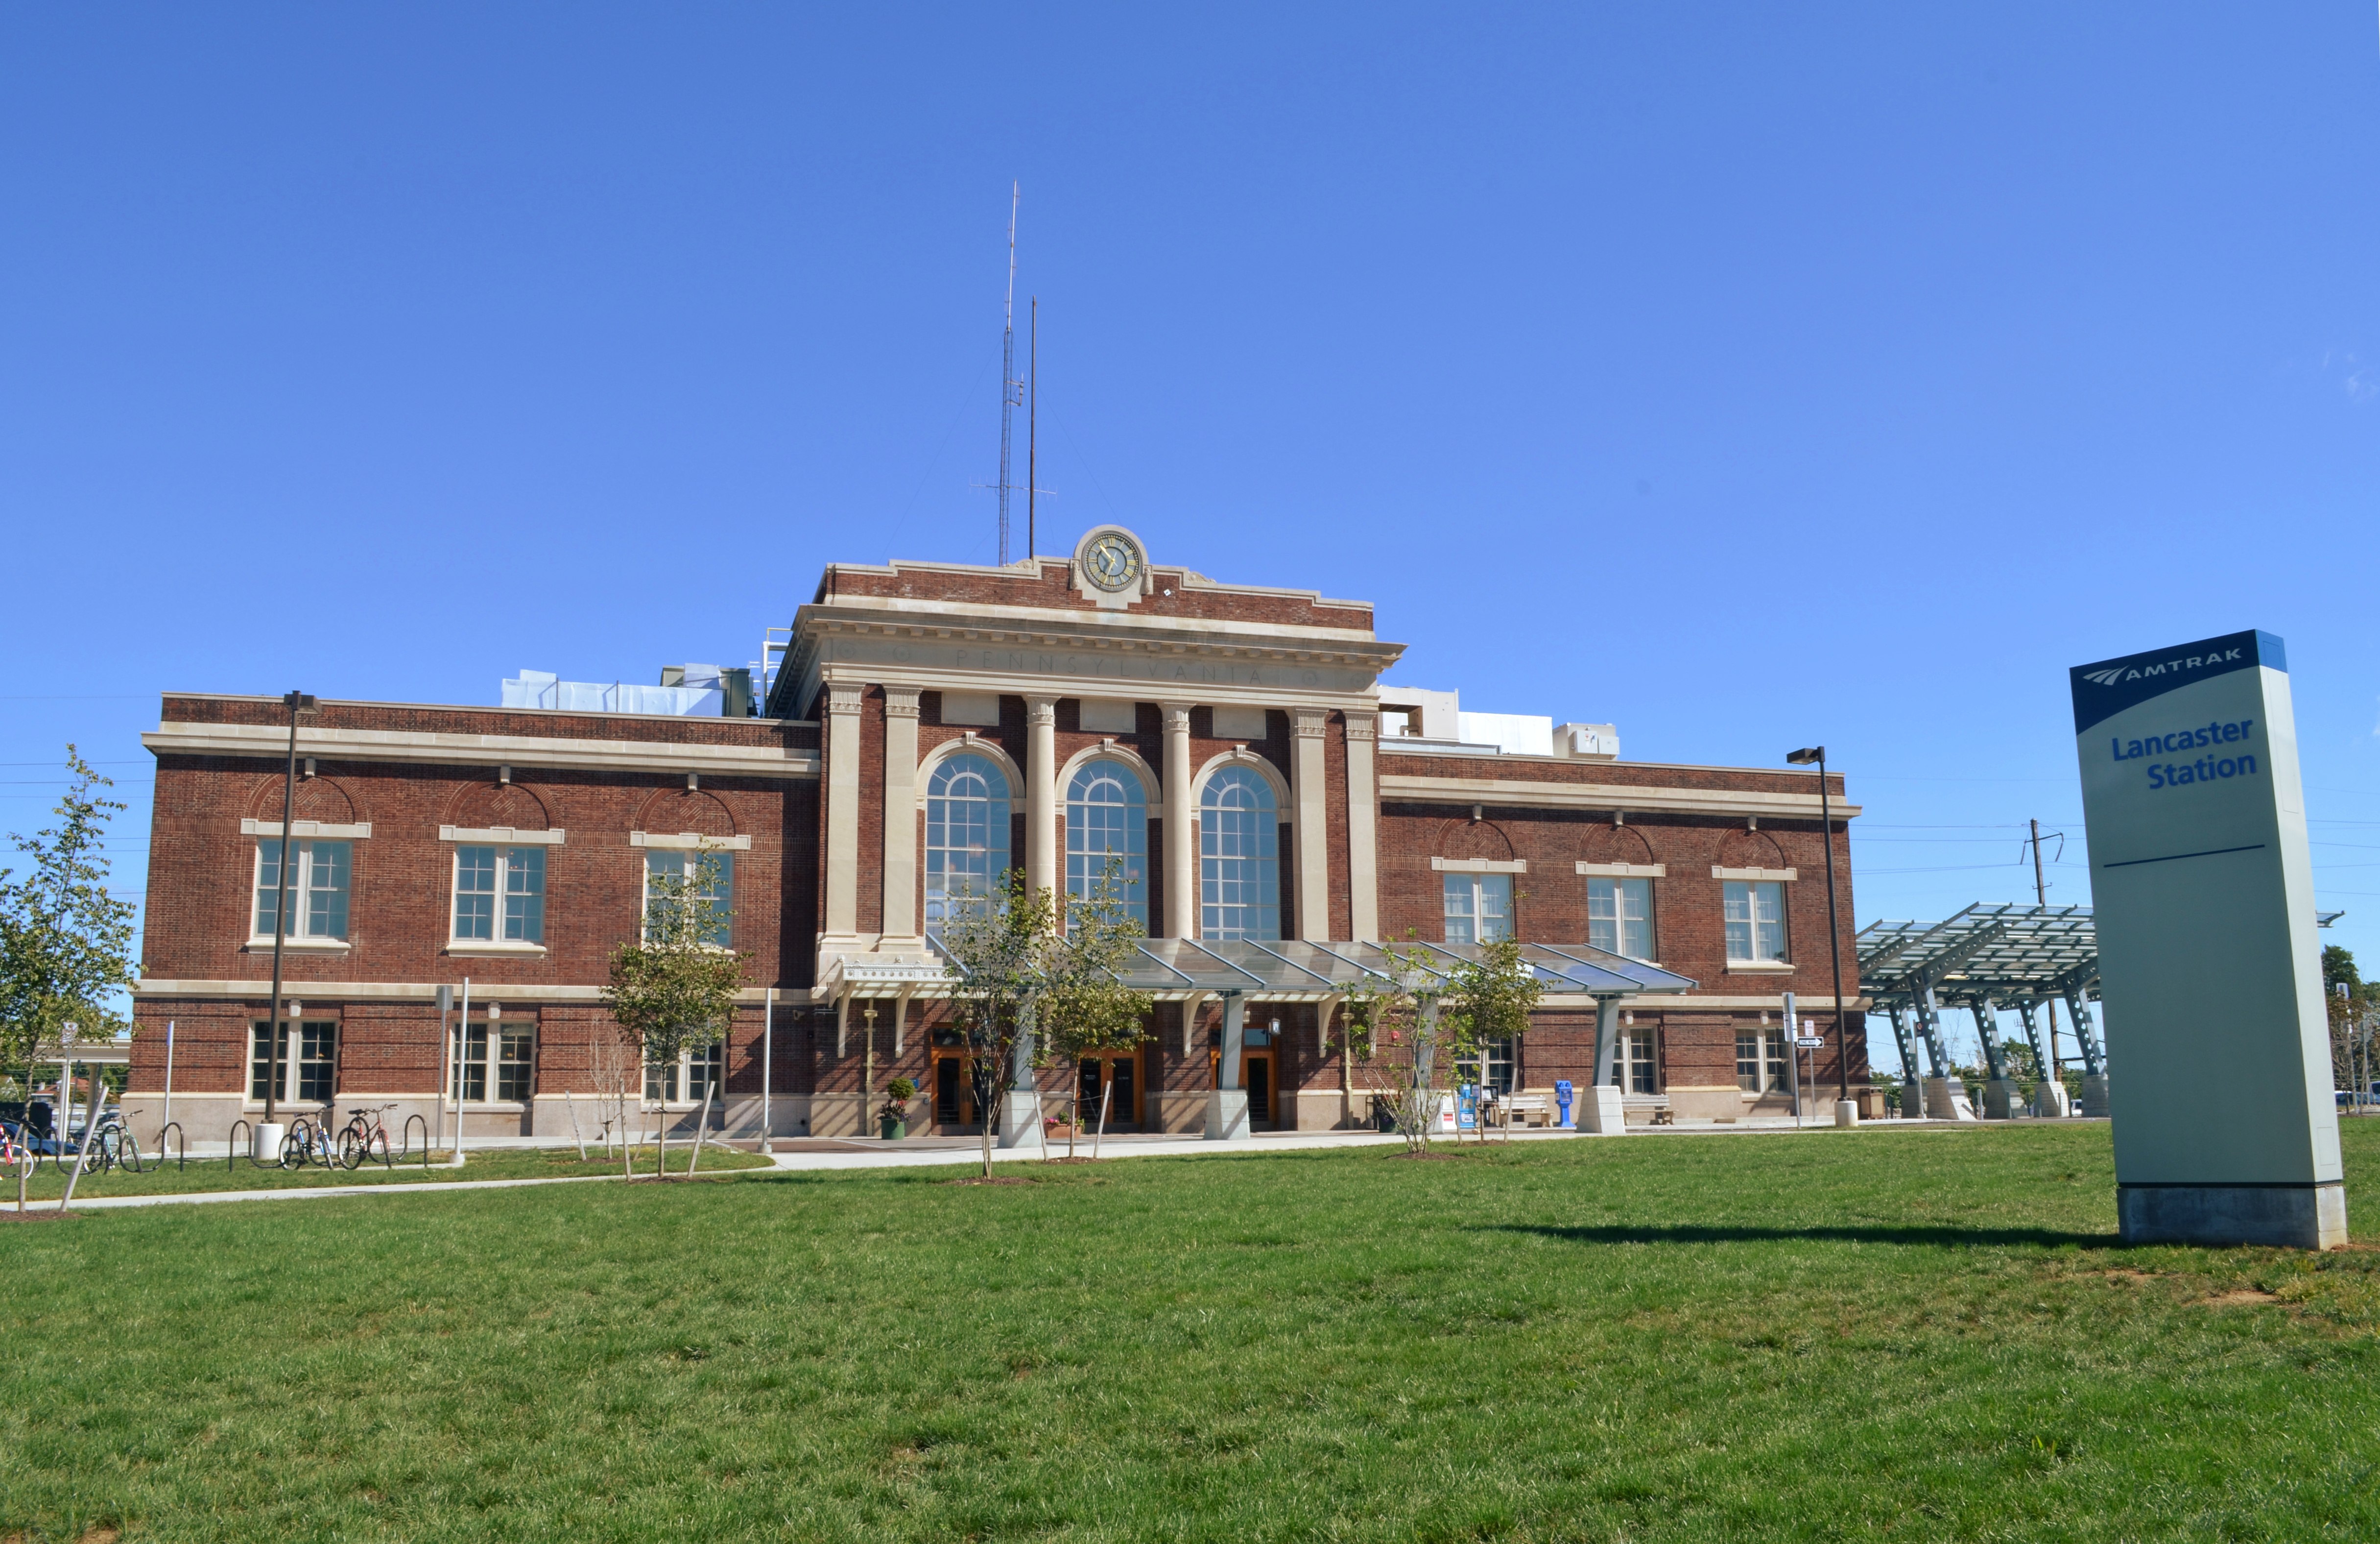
x,y
1112,562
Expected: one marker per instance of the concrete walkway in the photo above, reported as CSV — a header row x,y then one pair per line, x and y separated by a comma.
x,y
834,1153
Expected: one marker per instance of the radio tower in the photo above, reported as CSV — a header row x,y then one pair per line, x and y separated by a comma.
x,y
1012,390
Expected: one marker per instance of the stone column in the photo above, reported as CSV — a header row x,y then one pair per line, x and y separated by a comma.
x,y
1363,839
1308,789
1227,1102
900,814
1181,830
1041,794
842,812
1601,1104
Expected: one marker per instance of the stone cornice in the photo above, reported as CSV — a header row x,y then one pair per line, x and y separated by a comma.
x,y
1512,792
261,989
526,752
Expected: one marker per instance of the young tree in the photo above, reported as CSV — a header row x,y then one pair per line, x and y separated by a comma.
x,y
1490,998
674,989
1435,1009
995,943
66,943
1085,1007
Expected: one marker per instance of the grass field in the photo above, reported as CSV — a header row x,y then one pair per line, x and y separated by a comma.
x,y
1912,1335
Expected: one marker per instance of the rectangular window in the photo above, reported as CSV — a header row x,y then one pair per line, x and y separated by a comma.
x,y
500,1056
1619,917
1500,1065
499,893
688,1079
318,889
309,1061
1760,1060
1636,1054
720,892
1755,921
1478,908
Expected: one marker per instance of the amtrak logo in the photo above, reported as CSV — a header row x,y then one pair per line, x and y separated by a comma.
x,y
2124,673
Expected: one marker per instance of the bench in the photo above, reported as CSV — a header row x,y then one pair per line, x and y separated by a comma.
x,y
1522,1106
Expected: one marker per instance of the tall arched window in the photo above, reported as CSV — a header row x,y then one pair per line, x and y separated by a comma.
x,y
1239,856
967,834
1107,817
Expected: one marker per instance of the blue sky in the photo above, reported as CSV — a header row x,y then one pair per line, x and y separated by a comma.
x,y
1746,376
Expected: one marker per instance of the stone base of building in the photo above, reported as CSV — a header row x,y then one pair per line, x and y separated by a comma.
x,y
1687,1103
2291,1216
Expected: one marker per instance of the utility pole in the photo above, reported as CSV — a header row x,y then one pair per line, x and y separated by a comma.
x,y
1032,420
2041,895
297,702
1011,389
1817,754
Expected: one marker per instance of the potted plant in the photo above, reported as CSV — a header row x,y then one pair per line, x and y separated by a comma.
x,y
893,1116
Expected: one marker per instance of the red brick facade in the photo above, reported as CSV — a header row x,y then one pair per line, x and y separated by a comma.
x,y
412,775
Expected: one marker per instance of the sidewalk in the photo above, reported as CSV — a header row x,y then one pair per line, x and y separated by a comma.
x,y
838,1153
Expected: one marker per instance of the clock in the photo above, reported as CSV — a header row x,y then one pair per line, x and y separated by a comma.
x,y
1112,561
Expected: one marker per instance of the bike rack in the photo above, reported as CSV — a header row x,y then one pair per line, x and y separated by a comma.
x,y
410,1121
181,1145
231,1149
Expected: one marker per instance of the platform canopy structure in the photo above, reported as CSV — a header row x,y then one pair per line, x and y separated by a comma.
x,y
1983,959
1280,970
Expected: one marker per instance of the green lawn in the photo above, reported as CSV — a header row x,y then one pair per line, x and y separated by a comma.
x,y
484,1165
1914,1335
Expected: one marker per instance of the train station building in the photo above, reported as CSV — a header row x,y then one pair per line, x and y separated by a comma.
x,y
1274,808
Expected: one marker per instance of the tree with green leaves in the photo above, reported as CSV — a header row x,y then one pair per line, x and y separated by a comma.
x,y
66,943
674,989
994,943
1087,1008
1430,1010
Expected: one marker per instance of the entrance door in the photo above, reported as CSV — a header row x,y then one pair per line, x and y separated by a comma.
x,y
1115,1075
1256,1075
954,1090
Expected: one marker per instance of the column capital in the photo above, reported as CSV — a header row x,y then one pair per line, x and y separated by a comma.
x,y
1176,714
1363,726
1309,722
901,702
844,700
1041,710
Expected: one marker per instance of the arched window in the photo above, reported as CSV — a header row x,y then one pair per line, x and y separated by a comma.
x,y
1107,817
966,836
1239,856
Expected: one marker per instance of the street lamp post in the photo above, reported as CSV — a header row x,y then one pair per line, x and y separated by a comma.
x,y
267,1138
1846,1113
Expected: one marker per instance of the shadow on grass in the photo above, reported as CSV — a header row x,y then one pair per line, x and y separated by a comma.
x,y
1904,1234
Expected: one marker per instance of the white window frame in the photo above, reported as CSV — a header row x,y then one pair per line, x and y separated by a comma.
x,y
998,803
679,1090
685,860
1085,864
1473,890
1751,890
1617,886
490,1062
293,1045
509,860
1258,870
1639,1052
301,891
1770,1071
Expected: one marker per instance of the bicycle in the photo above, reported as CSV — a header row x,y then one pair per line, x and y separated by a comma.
x,y
306,1143
366,1135
113,1146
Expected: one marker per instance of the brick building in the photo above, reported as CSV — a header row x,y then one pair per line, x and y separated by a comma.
x,y
1273,806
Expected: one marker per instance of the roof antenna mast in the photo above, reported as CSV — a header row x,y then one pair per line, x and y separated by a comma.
x,y
1012,390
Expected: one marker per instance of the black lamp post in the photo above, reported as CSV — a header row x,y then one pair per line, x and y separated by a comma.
x,y
1805,757
297,702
